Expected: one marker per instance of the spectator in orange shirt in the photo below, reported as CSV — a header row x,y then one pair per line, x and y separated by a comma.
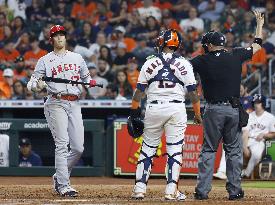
x,y
6,84
132,72
32,56
118,35
258,61
20,68
82,11
168,22
8,54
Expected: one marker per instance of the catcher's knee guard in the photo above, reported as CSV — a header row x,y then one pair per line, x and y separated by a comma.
x,y
144,167
173,166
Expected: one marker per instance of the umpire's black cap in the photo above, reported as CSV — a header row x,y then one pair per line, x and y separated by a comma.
x,y
217,39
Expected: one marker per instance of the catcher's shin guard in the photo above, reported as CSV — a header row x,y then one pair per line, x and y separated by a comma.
x,y
173,166
144,167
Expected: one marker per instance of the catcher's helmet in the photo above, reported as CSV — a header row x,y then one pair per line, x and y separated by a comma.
x,y
258,98
57,29
169,38
135,127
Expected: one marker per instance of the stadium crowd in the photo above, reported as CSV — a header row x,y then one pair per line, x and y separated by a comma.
x,y
115,37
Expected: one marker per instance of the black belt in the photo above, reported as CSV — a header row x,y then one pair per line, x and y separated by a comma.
x,y
162,102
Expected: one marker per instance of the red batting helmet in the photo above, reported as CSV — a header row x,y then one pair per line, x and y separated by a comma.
x,y
55,29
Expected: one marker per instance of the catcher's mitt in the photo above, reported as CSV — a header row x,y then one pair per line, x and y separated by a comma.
x,y
135,126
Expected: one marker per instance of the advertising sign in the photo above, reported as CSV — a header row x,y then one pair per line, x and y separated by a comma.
x,y
127,151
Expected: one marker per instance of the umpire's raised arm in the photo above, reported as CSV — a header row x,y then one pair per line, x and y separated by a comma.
x,y
257,44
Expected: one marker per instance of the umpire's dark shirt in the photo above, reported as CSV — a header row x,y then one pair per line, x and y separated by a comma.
x,y
220,72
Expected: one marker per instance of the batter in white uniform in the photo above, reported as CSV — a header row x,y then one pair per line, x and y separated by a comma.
x,y
168,77
62,109
260,127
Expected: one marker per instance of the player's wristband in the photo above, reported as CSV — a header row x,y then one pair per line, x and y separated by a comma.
x,y
197,108
258,41
135,104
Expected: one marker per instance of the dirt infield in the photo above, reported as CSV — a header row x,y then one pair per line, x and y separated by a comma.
x,y
38,190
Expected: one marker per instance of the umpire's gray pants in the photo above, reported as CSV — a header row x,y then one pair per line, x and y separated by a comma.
x,y
220,121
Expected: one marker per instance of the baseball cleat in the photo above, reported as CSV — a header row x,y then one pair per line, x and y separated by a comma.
x,y
137,195
238,196
179,196
68,192
55,184
220,175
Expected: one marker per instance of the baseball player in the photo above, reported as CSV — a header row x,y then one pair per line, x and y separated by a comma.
x,y
4,150
260,127
168,77
62,109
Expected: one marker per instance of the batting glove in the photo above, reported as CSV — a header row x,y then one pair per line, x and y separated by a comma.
x,y
92,83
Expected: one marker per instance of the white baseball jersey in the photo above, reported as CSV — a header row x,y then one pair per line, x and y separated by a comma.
x,y
4,150
167,90
69,66
260,124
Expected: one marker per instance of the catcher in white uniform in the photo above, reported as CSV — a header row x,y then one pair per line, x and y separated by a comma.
x,y
168,77
260,127
62,109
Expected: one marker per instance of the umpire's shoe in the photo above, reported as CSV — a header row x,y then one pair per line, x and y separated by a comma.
x,y
238,196
199,196
179,196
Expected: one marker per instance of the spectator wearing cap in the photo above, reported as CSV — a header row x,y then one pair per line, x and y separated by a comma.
x,y
8,54
211,9
148,9
122,57
105,53
27,157
132,72
192,22
168,22
118,35
104,70
20,68
31,57
82,10
103,26
6,84
94,93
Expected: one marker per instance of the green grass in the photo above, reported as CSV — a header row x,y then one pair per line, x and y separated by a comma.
x,y
260,184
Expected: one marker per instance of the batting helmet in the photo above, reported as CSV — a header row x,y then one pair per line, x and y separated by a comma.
x,y
258,98
57,29
169,38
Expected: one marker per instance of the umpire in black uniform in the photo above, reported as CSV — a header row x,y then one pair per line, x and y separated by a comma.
x,y
220,73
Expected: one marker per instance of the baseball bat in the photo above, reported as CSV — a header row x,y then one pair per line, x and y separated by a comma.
x,y
61,80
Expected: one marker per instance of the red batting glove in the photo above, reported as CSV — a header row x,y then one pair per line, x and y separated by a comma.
x,y
92,83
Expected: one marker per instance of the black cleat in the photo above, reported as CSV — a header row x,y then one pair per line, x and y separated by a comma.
x,y
198,196
238,196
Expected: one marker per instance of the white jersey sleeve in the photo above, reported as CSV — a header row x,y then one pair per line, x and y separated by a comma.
x,y
39,72
4,150
272,124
